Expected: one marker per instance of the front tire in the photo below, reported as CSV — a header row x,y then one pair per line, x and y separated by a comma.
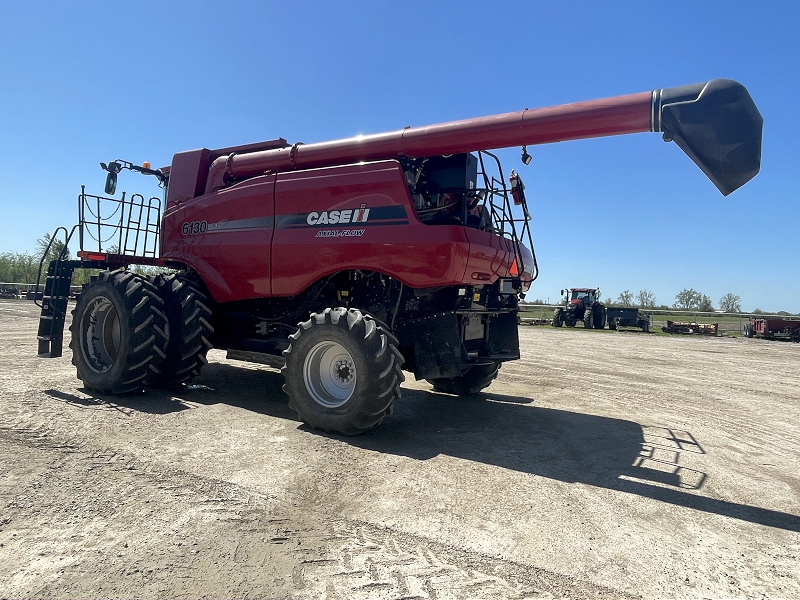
x,y
118,328
471,382
343,371
557,320
588,318
599,316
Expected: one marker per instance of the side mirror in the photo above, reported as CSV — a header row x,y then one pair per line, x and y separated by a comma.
x,y
111,183
111,180
562,292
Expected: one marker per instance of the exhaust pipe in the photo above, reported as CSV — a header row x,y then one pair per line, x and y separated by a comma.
x,y
717,125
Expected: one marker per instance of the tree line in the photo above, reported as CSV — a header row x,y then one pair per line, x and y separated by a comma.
x,y
686,299
23,267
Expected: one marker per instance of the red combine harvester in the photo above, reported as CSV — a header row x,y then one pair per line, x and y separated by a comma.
x,y
345,262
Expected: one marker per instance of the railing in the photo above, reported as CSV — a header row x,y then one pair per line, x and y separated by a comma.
x,y
500,208
129,226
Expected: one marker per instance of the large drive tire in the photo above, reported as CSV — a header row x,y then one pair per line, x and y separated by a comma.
x,y
471,382
588,318
343,371
189,329
599,312
118,328
557,320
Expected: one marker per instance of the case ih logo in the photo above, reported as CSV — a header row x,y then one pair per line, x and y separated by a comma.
x,y
339,217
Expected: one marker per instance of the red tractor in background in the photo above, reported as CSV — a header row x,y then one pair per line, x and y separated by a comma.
x,y
581,304
344,263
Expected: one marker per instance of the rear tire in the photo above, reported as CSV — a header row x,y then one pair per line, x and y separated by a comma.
x,y
189,330
471,382
118,328
343,371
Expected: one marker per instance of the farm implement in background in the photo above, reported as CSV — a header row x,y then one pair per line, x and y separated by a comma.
x,y
773,329
691,328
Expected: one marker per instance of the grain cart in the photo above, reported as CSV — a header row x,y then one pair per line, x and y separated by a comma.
x,y
627,316
581,304
345,262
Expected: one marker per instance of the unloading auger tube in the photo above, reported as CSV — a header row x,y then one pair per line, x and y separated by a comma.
x,y
716,123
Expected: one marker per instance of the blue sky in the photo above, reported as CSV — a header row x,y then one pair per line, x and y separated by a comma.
x,y
87,82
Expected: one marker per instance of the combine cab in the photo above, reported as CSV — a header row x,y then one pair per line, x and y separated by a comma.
x,y
582,304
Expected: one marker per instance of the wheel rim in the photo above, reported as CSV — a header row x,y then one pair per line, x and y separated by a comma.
x,y
100,334
329,374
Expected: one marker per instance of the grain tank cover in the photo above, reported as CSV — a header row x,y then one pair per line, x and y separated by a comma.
x,y
717,124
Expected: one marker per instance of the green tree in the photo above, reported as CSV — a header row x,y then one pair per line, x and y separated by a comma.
x,y
625,298
646,299
687,299
704,304
18,267
6,266
53,247
730,303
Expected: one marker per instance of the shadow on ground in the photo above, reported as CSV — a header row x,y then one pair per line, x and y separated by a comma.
x,y
504,431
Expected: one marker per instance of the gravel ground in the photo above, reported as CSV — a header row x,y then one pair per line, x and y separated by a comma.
x,y
602,464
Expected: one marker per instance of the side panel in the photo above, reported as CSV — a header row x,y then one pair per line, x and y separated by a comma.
x,y
318,222
358,217
225,236
489,255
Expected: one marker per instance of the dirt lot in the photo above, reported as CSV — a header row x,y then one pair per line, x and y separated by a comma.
x,y
601,465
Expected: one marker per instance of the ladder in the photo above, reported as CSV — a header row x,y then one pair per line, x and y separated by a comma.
x,y
54,307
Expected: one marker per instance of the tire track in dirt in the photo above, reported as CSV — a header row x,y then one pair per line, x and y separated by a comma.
x,y
100,521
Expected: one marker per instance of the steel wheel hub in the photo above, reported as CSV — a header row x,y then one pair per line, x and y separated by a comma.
x,y
329,374
100,334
